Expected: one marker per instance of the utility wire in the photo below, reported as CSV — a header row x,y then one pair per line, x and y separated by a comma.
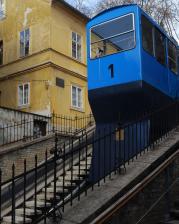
x,y
150,209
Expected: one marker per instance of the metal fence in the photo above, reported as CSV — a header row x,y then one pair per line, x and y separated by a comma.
x,y
78,166
71,125
28,126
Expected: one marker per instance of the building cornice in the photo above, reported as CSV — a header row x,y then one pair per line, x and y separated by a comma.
x,y
40,52
42,66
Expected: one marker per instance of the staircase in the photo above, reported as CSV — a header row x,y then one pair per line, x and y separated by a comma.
x,y
70,179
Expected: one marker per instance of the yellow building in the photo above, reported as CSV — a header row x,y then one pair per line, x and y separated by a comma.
x,y
43,57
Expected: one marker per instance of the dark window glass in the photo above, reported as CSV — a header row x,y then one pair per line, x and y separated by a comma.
x,y
160,47
27,34
114,44
76,46
114,27
113,36
24,42
147,35
1,52
172,57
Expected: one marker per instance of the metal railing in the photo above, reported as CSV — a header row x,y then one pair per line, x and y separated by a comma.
x,y
30,126
80,165
71,125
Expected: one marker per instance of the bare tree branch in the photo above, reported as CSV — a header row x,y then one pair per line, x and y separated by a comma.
x,y
165,12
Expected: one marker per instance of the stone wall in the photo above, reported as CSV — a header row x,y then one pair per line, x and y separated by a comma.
x,y
16,125
27,151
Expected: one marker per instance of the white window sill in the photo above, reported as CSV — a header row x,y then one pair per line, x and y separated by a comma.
x,y
24,56
23,106
2,17
76,59
77,109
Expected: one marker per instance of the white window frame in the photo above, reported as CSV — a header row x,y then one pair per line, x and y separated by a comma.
x,y
23,94
132,30
2,9
77,101
76,45
174,61
24,38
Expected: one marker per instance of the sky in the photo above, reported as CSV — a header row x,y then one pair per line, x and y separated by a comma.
x,y
90,2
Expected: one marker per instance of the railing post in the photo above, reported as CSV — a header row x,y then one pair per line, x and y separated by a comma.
x,y
13,194
79,166
76,123
71,199
35,190
104,155
3,138
86,162
24,204
92,171
53,122
55,174
99,155
24,128
63,204
0,194
176,114
45,219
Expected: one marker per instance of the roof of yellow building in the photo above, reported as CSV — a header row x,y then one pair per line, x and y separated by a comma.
x,y
72,8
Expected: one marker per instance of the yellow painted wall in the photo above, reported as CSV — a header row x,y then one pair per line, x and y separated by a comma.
x,y
40,96
61,103
20,14
63,24
49,57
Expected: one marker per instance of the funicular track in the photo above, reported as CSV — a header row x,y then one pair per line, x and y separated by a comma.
x,y
35,193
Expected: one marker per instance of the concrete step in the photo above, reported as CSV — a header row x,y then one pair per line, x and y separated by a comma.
x,y
88,159
175,213
40,204
68,178
58,190
84,162
18,219
28,212
49,196
66,184
81,167
76,172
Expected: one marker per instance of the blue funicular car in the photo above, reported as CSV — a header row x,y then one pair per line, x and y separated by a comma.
x,y
132,69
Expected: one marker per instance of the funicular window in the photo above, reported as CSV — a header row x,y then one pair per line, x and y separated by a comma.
x,y
147,35
114,36
172,57
160,47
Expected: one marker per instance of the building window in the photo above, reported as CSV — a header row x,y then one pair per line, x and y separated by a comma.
x,y
114,36
2,9
172,57
77,97
76,46
160,47
1,52
147,36
24,42
23,94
